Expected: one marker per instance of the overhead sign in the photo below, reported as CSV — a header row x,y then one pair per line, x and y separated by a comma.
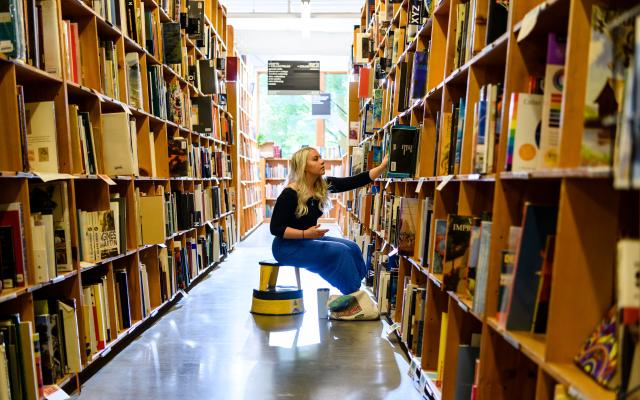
x,y
293,77
321,105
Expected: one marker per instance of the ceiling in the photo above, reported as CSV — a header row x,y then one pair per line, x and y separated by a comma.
x,y
276,29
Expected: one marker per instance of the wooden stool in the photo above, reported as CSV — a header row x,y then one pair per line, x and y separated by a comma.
x,y
270,299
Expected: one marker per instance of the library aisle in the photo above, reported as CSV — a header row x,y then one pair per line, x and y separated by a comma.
x,y
209,346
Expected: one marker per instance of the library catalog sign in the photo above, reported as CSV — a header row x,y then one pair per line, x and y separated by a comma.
x,y
293,77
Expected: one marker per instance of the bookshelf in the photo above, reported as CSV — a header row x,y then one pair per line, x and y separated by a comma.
x,y
468,61
275,172
241,104
123,201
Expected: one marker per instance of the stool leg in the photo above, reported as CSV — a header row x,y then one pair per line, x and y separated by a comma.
x,y
298,278
268,277
273,278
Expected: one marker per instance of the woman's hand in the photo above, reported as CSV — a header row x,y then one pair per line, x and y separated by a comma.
x,y
314,232
385,161
377,171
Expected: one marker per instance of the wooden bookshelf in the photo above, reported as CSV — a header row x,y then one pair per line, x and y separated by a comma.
x,y
155,128
591,215
241,106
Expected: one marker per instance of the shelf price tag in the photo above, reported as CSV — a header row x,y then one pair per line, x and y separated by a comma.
x,y
444,182
474,177
387,184
420,182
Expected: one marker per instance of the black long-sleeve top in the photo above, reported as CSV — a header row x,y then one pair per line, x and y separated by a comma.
x,y
284,212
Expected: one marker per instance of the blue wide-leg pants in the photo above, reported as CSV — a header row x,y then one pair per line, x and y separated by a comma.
x,y
339,261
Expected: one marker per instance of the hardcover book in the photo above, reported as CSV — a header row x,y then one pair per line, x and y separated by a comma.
x,y
598,357
539,221
455,272
403,151
407,230
439,245
172,43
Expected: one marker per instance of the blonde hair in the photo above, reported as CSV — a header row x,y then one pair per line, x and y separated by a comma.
x,y
319,191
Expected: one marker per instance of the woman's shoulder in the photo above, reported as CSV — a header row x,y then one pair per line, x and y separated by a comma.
x,y
288,192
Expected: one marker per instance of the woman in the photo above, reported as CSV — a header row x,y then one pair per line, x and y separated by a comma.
x,y
299,241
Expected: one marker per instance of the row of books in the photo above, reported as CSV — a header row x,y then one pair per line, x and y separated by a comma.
x,y
250,171
31,358
50,237
272,191
276,171
251,194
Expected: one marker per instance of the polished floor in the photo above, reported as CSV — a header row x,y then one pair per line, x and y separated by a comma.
x,y
210,347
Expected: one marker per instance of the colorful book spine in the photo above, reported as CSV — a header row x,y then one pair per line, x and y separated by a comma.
x,y
552,102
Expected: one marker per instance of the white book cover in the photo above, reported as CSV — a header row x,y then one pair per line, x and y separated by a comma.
x,y
52,59
525,115
117,145
71,337
39,249
5,393
42,145
145,289
628,273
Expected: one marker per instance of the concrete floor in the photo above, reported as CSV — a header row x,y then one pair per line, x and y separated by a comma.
x,y
209,346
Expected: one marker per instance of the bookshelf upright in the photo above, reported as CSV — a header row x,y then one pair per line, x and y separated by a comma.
x,y
479,182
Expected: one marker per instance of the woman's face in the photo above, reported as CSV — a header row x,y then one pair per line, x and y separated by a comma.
x,y
315,163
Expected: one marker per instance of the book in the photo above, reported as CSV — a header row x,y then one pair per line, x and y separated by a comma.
x,y
134,80
109,240
52,198
42,142
467,356
482,273
552,101
598,357
14,272
439,245
69,323
525,118
172,43
117,144
455,272
539,221
543,295
403,151
407,229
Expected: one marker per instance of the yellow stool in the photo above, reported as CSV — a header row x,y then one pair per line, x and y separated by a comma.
x,y
270,299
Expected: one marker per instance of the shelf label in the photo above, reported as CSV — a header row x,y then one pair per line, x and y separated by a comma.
x,y
105,352
9,296
384,246
162,245
528,23
34,288
463,306
52,176
444,182
474,177
575,393
58,278
509,339
107,179
153,314
393,252
392,328
53,392
387,185
420,182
